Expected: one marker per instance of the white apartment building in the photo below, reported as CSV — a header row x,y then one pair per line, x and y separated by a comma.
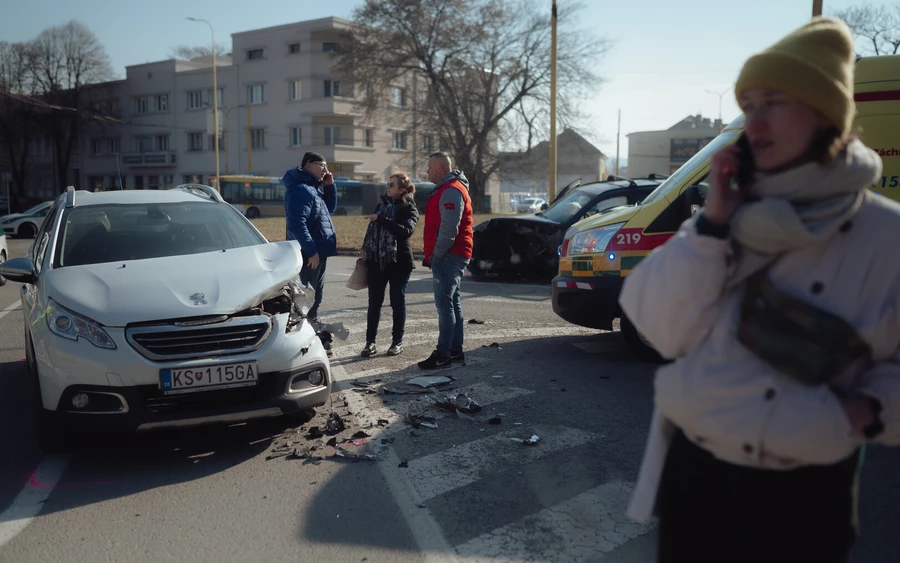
x,y
277,99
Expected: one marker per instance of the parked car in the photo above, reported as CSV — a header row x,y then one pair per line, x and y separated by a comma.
x,y
27,223
4,254
163,309
528,246
530,205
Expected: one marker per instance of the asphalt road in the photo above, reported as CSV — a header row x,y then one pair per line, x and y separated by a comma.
x,y
467,490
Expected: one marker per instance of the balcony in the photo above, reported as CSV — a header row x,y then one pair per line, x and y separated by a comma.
x,y
160,159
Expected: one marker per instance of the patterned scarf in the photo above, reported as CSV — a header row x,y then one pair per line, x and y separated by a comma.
x,y
801,207
379,245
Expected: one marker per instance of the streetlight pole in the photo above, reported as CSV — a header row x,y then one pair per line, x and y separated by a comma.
x,y
215,95
817,8
720,94
551,191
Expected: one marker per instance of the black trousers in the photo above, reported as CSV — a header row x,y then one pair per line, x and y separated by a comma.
x,y
397,275
713,511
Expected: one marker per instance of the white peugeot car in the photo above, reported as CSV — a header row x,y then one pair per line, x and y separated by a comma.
x,y
156,309
26,223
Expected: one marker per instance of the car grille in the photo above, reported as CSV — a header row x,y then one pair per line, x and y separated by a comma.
x,y
235,335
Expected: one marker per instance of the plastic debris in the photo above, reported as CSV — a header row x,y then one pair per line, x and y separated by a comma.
x,y
375,455
464,416
383,422
360,434
475,322
335,423
314,433
403,464
457,403
495,420
337,329
417,420
493,345
428,380
527,441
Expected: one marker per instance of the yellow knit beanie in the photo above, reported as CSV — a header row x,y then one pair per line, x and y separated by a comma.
x,y
814,64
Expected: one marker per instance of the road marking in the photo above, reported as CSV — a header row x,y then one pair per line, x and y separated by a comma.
x,y
445,471
13,307
30,500
424,528
582,528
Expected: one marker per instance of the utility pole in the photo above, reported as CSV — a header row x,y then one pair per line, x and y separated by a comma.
x,y
817,8
618,137
551,191
249,142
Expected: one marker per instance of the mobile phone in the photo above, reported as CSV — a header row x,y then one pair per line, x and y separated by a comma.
x,y
746,166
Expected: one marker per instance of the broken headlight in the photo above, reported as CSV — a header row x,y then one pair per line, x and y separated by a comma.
x,y
593,241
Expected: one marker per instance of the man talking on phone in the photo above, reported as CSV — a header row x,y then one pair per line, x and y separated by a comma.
x,y
307,211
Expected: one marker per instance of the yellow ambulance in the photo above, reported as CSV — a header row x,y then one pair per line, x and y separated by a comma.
x,y
597,253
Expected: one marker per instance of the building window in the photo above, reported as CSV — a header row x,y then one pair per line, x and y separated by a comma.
x,y
296,137
258,138
153,182
332,88
255,94
255,54
427,143
195,99
143,143
114,144
192,179
330,46
40,146
162,142
294,48
294,89
96,146
400,140
95,183
195,141
212,142
367,137
398,97
161,103
114,108
221,98
332,136
140,105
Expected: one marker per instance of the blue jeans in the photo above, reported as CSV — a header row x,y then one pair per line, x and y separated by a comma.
x,y
316,280
447,273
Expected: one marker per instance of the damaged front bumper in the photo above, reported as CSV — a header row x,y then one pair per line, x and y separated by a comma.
x,y
591,302
510,247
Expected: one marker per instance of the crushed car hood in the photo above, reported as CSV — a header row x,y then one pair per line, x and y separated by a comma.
x,y
212,283
524,218
618,215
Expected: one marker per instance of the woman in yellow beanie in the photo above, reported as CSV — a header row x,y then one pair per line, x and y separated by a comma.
x,y
781,313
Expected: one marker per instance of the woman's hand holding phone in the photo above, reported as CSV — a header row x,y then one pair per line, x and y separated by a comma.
x,y
723,199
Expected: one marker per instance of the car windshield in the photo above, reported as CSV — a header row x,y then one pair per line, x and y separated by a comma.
x,y
564,209
114,233
691,166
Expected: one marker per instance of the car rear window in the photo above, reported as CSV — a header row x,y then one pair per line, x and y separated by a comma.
x,y
113,233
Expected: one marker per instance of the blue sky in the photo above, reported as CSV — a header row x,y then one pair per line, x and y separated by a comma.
x,y
665,54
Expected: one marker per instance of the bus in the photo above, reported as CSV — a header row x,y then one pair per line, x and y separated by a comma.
x,y
263,196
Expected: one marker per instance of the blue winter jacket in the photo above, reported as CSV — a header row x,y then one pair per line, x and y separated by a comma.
x,y
302,203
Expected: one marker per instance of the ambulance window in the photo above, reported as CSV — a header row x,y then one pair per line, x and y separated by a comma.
x,y
690,167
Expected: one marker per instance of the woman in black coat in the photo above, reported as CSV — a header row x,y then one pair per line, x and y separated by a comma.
x,y
389,259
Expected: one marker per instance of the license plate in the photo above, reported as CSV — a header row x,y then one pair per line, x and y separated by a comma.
x,y
185,380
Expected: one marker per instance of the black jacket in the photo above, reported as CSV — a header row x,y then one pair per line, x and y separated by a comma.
x,y
406,217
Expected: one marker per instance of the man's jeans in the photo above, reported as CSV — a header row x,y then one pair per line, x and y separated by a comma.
x,y
316,280
447,273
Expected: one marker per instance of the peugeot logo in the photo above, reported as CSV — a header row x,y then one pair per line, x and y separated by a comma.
x,y
198,299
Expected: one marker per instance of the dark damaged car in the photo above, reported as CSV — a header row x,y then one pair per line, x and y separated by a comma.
x,y
528,246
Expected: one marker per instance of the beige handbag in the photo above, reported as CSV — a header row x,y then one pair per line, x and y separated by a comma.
x,y
359,278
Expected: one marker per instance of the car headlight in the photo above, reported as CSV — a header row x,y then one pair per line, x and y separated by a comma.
x,y
65,323
593,241
7,221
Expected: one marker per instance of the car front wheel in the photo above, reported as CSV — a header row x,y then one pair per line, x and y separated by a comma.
x,y
27,230
638,343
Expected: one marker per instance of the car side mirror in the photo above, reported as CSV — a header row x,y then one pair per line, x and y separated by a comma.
x,y
18,270
544,207
694,198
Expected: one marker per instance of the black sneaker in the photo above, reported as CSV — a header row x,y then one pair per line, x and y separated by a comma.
x,y
369,350
395,349
458,357
435,361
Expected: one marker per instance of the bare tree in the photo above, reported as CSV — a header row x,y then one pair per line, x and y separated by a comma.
x,y
481,68
187,53
64,60
876,28
16,115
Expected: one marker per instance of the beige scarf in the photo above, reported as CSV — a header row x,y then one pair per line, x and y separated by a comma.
x,y
802,207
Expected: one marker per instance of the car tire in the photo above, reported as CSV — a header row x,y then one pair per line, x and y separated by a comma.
x,y
2,260
47,431
26,230
638,343
253,213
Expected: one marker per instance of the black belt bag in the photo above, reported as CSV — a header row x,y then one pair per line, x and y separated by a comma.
x,y
804,342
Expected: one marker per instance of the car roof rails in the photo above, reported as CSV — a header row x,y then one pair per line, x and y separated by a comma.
x,y
614,178
202,189
70,196
655,176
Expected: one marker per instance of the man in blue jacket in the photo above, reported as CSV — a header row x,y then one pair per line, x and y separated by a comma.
x,y
308,214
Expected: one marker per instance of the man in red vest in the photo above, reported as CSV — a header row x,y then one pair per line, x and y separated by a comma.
x,y
448,248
